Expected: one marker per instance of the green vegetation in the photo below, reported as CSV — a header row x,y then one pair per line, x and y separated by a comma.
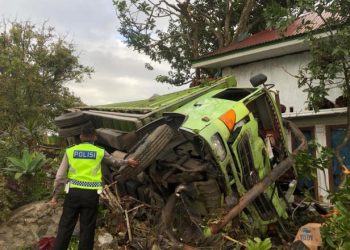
x,y
335,231
27,165
35,65
258,244
328,70
307,164
24,180
74,243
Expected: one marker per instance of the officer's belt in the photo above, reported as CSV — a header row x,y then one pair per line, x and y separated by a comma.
x,y
85,183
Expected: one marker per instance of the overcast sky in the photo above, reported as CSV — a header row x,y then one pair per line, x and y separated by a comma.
x,y
91,25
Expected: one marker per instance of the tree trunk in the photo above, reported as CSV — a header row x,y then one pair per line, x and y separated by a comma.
x,y
227,26
243,20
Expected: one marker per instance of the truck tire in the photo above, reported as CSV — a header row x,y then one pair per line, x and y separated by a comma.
x,y
73,131
147,152
210,194
71,119
131,187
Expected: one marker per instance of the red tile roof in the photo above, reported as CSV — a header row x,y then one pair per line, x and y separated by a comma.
x,y
267,36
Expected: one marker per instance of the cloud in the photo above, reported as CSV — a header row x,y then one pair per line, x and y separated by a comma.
x,y
120,74
102,90
113,57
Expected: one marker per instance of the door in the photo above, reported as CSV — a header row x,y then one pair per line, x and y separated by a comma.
x,y
336,135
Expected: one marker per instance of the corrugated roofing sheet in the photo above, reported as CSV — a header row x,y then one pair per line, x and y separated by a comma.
x,y
266,36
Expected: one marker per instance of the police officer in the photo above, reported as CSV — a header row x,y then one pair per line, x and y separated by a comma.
x,y
82,165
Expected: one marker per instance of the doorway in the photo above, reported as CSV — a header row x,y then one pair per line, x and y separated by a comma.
x,y
335,134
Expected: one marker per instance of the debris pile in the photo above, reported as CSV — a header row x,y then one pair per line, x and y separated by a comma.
x,y
139,226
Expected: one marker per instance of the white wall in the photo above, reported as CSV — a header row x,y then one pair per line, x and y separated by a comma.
x,y
279,71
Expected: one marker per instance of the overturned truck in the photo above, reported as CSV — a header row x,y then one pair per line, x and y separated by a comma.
x,y
207,154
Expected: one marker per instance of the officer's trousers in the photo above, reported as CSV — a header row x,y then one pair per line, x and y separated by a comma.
x,y
83,203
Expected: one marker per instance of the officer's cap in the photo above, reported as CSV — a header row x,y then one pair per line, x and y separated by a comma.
x,y
88,130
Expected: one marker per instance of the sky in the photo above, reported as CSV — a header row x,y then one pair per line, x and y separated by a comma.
x,y
91,25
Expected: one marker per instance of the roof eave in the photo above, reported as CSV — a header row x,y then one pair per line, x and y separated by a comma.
x,y
255,53
312,114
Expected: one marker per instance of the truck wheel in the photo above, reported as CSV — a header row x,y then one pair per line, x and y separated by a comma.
x,y
71,119
73,131
147,152
181,223
210,194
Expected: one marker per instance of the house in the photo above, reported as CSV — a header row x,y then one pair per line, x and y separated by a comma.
x,y
280,57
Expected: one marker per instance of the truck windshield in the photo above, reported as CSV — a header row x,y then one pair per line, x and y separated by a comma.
x,y
234,94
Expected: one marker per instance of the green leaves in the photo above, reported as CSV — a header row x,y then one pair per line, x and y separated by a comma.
x,y
258,244
335,231
179,31
28,165
328,70
306,163
34,66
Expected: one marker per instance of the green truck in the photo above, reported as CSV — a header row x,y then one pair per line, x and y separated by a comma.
x,y
207,154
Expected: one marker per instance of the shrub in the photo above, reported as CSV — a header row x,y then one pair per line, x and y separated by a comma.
x,y
28,165
335,231
258,244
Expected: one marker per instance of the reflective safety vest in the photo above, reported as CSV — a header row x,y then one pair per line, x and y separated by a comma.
x,y
85,166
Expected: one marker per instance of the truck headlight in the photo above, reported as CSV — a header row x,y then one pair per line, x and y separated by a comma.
x,y
218,146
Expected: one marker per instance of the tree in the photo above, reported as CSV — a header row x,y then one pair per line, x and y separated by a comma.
x,y
34,66
178,31
330,62
329,68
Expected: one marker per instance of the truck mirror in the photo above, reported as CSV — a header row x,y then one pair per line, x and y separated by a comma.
x,y
258,80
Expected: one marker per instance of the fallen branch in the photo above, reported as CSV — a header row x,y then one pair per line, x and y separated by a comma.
x,y
253,193
135,208
142,203
113,200
128,225
233,240
115,205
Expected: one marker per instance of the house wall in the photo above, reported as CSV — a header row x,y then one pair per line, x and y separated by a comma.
x,y
279,71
